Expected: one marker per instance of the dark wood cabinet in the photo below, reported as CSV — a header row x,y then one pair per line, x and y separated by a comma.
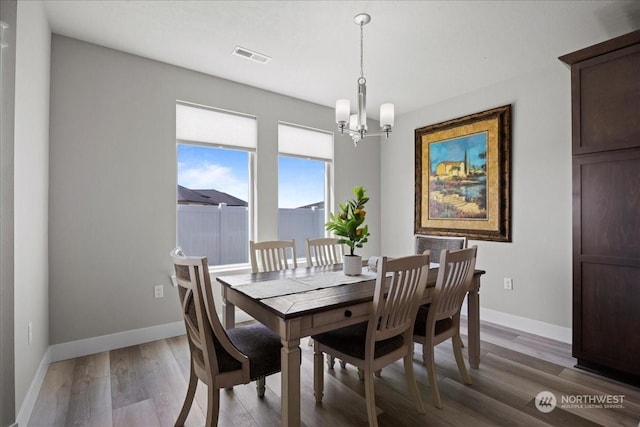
x,y
605,102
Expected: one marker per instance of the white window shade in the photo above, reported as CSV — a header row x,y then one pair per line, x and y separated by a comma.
x,y
215,127
303,142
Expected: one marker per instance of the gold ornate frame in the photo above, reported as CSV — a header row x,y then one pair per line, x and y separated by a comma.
x,y
495,223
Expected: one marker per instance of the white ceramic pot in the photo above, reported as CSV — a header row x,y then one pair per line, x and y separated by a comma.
x,y
352,265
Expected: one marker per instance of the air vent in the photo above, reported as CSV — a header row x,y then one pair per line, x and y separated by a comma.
x,y
250,54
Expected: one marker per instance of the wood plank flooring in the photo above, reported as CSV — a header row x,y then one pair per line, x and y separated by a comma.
x,y
144,386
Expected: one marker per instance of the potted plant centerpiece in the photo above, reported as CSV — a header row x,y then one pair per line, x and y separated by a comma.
x,y
349,226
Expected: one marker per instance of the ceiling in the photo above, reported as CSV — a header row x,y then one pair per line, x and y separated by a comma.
x,y
416,52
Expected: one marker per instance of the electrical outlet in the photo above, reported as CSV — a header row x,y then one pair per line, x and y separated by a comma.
x,y
158,291
30,332
508,283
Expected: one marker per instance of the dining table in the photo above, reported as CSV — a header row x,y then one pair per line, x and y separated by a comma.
x,y
301,302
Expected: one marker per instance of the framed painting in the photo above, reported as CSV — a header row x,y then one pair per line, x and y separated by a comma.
x,y
462,177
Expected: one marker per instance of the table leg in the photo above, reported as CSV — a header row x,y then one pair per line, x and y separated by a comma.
x,y
318,373
228,313
473,327
290,398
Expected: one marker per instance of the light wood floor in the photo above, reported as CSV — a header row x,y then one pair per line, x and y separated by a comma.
x,y
144,386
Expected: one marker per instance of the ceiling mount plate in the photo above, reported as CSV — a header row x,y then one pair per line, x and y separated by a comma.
x,y
362,19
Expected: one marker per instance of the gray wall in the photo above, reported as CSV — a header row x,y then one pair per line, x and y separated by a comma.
x,y
113,180
8,11
31,186
539,258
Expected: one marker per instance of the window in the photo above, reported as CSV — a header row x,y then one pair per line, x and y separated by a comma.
x,y
214,202
304,183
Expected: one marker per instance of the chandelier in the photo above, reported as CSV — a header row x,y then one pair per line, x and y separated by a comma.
x,y
357,123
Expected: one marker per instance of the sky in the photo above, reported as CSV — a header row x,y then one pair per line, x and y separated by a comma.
x,y
300,181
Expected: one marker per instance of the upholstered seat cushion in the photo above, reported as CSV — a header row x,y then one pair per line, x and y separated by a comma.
x,y
351,340
226,363
419,328
260,345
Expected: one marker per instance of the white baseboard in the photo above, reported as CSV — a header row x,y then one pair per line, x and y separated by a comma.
x,y
85,347
30,398
524,324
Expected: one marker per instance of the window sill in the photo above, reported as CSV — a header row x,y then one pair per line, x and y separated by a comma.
x,y
219,270
232,269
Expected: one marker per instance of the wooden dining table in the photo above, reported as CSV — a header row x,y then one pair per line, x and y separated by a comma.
x,y
290,303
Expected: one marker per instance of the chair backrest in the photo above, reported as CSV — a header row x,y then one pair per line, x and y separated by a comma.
x,y
435,244
211,349
454,278
395,305
324,251
272,255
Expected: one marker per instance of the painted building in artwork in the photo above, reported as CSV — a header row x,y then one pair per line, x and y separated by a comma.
x,y
451,169
454,168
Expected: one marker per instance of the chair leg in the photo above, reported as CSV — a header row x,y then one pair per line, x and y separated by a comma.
x,y
213,407
330,361
411,382
343,364
457,352
318,374
428,355
188,400
261,386
371,399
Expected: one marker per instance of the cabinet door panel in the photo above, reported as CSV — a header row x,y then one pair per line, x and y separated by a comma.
x,y
609,104
609,205
609,313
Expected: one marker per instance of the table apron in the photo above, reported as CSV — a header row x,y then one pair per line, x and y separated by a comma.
x,y
253,308
307,324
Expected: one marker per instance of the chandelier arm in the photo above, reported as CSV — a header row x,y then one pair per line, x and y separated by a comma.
x,y
383,133
363,134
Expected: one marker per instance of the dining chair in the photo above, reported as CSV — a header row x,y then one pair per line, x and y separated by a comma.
x,y
435,244
218,358
386,336
272,255
324,251
440,320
